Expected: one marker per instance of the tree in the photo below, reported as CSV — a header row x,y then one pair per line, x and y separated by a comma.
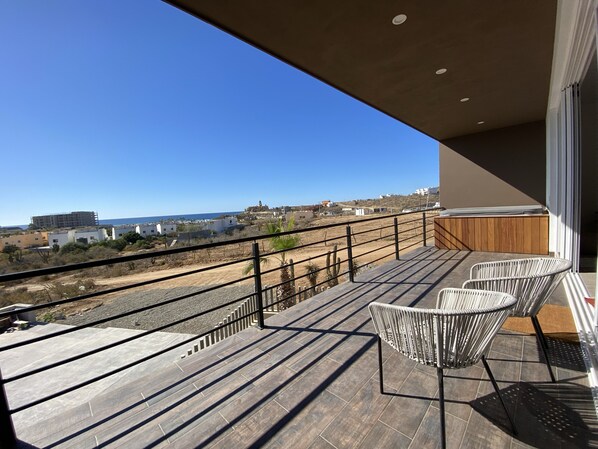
x,y
281,244
132,237
15,254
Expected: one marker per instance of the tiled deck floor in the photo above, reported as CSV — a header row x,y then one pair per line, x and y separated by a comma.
x,y
310,381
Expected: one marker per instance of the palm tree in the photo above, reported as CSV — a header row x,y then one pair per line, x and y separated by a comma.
x,y
281,244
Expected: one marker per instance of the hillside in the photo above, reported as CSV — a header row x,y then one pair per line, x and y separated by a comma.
x,y
395,203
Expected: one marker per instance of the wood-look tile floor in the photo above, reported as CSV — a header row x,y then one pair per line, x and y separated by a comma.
x,y
310,380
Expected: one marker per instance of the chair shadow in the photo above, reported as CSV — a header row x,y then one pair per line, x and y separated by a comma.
x,y
564,354
546,415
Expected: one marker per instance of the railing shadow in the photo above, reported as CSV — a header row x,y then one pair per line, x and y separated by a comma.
x,y
450,242
545,415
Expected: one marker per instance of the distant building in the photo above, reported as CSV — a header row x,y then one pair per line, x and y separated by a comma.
x,y
167,228
145,230
87,236
66,220
25,240
427,191
119,231
363,211
220,224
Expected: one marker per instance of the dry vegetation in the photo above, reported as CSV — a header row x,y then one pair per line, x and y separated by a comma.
x,y
323,243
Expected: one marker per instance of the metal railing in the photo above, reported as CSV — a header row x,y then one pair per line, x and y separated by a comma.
x,y
405,231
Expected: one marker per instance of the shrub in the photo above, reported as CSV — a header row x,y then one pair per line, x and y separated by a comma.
x,y
73,247
58,290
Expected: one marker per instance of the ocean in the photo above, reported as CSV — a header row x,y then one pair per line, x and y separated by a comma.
x,y
159,218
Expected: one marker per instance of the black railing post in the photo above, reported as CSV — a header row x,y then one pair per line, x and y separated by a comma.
x,y
257,276
397,238
424,226
8,440
350,254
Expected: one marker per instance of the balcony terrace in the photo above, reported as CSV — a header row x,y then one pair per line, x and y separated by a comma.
x,y
310,380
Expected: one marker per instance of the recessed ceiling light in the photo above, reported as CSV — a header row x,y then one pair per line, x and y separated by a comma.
x,y
481,122
441,71
464,99
399,20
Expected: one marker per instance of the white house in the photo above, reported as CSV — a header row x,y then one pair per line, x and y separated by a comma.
x,y
220,224
363,211
166,228
119,231
58,238
147,229
87,236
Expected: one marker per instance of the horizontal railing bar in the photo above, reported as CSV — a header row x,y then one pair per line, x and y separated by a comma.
x,y
273,253
373,250
413,244
383,257
272,270
123,288
131,312
122,342
299,277
117,370
411,237
404,231
280,251
317,285
97,263
372,230
302,276
356,245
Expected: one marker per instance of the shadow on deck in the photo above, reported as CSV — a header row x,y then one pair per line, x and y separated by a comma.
x,y
310,381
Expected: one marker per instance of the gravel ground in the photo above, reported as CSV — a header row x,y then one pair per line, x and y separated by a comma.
x,y
159,316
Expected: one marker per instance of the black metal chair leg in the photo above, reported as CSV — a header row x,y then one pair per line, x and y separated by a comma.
x,y
380,365
543,344
495,385
441,402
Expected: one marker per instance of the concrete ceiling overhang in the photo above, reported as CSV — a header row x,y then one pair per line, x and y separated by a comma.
x,y
498,53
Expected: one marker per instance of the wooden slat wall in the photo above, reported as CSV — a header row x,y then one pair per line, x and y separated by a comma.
x,y
514,234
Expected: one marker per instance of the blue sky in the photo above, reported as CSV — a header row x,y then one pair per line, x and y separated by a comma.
x,y
134,108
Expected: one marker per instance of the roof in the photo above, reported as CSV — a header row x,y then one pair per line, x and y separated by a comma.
x,y
497,54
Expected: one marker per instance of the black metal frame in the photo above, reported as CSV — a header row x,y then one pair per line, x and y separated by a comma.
x,y
8,437
440,375
543,344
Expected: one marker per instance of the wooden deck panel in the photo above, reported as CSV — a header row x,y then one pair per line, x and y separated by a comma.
x,y
310,380
516,234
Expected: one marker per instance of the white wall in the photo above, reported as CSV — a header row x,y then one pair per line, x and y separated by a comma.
x,y
145,230
119,231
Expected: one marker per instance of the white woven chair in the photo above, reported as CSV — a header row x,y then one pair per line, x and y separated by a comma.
x,y
531,281
456,334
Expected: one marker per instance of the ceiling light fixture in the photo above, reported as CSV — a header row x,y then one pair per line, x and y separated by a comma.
x,y
481,122
441,71
464,99
399,20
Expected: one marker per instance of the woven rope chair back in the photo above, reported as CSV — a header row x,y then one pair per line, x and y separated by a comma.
x,y
531,281
454,335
